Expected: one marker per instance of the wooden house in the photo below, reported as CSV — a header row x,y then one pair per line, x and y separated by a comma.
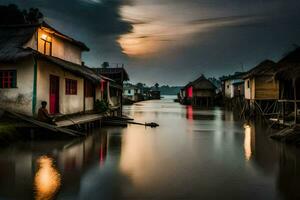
x,y
132,92
115,97
233,85
154,93
200,92
39,63
260,83
288,75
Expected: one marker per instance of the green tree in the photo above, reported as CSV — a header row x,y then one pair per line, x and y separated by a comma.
x,y
105,64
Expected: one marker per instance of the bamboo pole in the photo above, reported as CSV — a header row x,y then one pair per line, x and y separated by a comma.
x,y
295,98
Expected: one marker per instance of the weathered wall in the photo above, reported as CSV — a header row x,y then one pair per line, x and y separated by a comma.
x,y
203,93
238,89
89,103
68,104
229,89
60,48
266,87
129,92
19,99
247,91
98,92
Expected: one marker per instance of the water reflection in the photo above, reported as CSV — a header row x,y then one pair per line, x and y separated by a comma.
x,y
192,154
189,113
247,141
47,179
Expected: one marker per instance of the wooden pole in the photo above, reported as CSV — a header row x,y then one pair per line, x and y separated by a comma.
x,y
283,112
295,98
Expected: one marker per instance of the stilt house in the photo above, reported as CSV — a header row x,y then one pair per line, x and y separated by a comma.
x,y
288,75
260,82
39,63
200,92
233,85
115,89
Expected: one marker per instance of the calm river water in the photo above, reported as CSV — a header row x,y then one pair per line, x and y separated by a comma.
x,y
193,154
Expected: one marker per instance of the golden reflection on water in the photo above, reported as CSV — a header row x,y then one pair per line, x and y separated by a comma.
x,y
47,180
138,154
247,142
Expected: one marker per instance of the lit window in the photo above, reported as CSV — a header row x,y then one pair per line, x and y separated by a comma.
x,y
8,78
71,87
47,44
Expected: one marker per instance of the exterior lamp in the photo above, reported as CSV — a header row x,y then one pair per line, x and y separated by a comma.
x,y
44,37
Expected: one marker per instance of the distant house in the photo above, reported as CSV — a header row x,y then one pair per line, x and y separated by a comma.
x,y
119,75
233,85
39,63
132,92
200,92
154,93
260,82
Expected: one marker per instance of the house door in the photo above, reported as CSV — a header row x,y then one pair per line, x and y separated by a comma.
x,y
54,94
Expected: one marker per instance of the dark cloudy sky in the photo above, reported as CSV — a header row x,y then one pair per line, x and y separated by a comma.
x,y
173,41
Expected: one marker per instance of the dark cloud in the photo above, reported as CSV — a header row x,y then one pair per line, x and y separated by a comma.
x,y
240,33
96,22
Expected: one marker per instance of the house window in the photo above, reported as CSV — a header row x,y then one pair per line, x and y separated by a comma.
x,y
88,89
47,44
8,78
248,84
71,87
227,86
129,91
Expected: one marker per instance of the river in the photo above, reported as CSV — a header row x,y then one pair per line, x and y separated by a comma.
x,y
193,154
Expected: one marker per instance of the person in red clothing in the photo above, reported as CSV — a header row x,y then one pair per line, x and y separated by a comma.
x,y
43,114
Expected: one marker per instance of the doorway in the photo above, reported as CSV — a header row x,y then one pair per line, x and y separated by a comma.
x,y
54,94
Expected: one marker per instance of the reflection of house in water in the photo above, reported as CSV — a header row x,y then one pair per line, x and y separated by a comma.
x,y
247,142
198,114
289,173
189,113
41,168
261,150
267,156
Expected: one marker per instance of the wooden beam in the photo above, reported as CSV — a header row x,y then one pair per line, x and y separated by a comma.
x,y
45,125
295,98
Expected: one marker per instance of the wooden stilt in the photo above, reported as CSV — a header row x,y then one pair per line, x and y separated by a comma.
x,y
295,103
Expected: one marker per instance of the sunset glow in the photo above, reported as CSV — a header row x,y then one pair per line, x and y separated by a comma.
x,y
156,30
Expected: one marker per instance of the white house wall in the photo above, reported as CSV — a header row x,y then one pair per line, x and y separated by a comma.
x,y
19,99
89,103
68,104
248,90
60,48
228,89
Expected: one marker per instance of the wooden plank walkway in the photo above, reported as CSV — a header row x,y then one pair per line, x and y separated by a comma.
x,y
78,119
46,126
